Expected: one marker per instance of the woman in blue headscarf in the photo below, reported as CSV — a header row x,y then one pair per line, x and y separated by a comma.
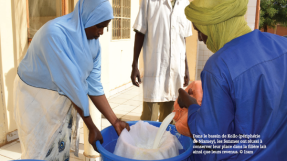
x,y
62,68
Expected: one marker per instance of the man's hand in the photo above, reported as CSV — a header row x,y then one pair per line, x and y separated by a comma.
x,y
184,99
120,126
139,40
186,78
136,74
94,136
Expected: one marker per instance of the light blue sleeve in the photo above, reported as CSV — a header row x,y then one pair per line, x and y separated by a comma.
x,y
216,114
95,86
64,73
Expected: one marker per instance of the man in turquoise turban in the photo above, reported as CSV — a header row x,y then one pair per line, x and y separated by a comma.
x,y
244,86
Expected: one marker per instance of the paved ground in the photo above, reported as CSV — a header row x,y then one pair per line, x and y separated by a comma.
x,y
127,105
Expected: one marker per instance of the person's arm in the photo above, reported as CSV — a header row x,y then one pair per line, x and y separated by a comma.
x,y
96,94
104,107
94,133
140,26
216,114
139,40
186,77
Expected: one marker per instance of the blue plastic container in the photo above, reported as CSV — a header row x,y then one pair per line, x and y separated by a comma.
x,y
110,139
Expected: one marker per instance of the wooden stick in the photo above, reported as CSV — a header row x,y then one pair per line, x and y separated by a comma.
x,y
257,18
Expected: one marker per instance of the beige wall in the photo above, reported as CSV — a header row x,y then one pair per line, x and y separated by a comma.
x,y
75,2
13,46
191,53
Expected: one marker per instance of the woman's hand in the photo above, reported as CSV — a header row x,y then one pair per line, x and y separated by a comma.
x,y
120,125
94,133
94,136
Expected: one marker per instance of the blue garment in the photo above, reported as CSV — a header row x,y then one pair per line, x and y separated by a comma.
x,y
245,92
61,58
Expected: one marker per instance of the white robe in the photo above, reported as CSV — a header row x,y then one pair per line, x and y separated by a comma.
x,y
39,115
164,49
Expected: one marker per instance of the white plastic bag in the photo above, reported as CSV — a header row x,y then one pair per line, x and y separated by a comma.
x,y
138,143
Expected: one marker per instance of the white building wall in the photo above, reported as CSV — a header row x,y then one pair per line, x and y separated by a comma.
x,y
105,49
203,53
251,13
121,56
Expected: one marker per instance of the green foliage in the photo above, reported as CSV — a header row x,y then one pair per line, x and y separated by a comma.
x,y
272,12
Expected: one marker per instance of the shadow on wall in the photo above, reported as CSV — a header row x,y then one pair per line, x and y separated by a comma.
x,y
3,128
9,81
20,34
20,45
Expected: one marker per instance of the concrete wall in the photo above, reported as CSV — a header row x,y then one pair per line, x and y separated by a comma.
x,y
13,46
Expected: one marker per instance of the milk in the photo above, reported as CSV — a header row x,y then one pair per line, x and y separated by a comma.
x,y
162,129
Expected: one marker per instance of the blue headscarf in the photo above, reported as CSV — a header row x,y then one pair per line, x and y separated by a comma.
x,y
61,58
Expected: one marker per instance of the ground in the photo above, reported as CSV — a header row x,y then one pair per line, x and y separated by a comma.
x,y
127,105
